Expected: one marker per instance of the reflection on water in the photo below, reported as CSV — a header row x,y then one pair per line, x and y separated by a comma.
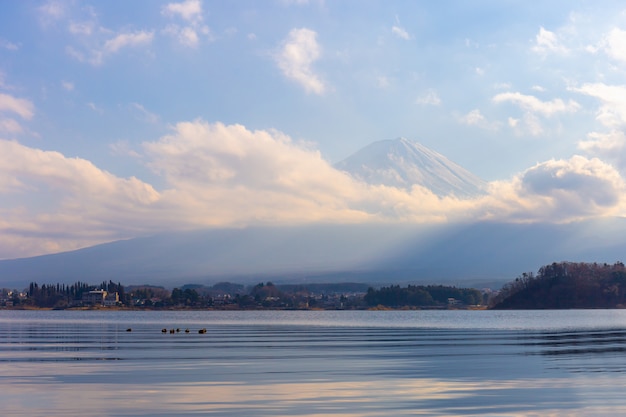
x,y
313,363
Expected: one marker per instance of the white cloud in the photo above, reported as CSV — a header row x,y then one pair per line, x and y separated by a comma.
x,y
534,105
557,191
19,106
79,204
67,85
612,112
185,35
609,146
476,118
431,98
51,12
13,105
190,10
576,186
548,42
613,44
96,55
4,44
124,40
228,175
296,57
400,33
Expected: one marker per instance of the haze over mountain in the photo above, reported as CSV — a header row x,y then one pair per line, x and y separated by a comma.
x,y
403,163
481,253
478,254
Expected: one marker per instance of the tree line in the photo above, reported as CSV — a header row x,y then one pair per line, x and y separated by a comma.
x,y
262,295
566,285
419,295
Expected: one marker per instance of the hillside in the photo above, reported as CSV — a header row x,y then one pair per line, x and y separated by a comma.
x,y
567,285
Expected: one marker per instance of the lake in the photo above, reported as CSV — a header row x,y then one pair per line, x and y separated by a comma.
x,y
313,363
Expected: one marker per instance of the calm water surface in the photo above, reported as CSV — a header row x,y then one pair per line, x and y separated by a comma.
x,y
339,363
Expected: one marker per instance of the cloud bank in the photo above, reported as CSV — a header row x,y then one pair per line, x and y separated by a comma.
x,y
219,175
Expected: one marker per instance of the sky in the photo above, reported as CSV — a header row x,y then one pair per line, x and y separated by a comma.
x,y
125,119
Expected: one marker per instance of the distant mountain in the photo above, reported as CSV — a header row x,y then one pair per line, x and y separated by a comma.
x,y
464,254
403,163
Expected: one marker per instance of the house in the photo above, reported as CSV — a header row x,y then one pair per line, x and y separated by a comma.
x,y
101,297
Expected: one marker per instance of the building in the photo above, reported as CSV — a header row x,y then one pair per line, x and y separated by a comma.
x,y
101,298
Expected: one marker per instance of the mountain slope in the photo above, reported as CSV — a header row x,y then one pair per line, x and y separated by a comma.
x,y
458,254
403,163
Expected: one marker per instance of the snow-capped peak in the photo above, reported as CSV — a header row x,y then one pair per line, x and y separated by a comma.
x,y
403,163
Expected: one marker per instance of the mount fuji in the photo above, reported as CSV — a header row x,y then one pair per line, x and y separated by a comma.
x,y
376,253
403,163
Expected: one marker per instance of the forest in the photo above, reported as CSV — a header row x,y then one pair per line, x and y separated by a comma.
x,y
566,285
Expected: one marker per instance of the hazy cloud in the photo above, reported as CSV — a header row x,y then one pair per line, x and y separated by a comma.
x,y
144,114
430,97
96,55
19,106
534,105
82,28
609,146
50,12
612,112
548,42
477,119
129,39
189,11
400,33
67,85
8,125
474,118
4,44
296,57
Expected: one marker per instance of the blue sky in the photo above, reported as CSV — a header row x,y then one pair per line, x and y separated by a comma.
x,y
121,119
